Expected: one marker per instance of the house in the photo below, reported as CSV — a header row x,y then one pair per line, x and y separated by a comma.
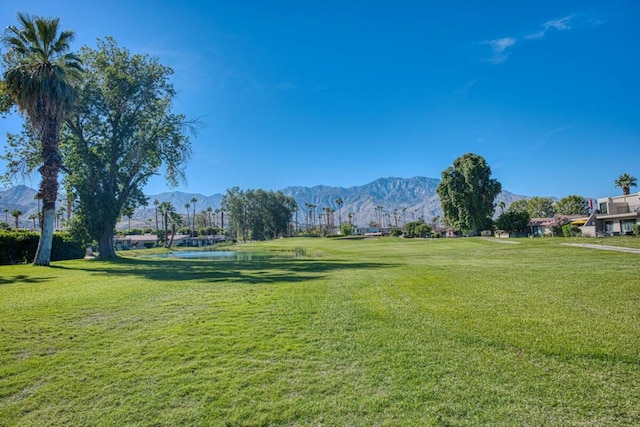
x,y
135,241
615,216
540,227
202,240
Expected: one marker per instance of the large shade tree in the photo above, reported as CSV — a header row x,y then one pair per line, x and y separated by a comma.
x,y
625,182
39,75
122,132
467,193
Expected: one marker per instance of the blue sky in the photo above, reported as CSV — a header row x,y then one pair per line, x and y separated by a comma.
x,y
343,92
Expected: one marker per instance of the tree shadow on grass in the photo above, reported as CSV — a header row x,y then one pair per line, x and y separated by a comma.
x,y
263,271
22,278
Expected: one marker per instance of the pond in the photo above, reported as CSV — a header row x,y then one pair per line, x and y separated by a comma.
x,y
224,255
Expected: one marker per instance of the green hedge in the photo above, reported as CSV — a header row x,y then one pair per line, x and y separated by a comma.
x,y
570,230
20,247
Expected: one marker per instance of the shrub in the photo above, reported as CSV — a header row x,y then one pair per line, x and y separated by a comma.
x,y
396,232
570,230
21,246
636,230
346,229
416,229
17,246
66,247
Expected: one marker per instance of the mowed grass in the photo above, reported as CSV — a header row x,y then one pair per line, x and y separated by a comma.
x,y
357,332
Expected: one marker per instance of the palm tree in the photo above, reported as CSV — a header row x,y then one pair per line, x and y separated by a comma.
x,y
156,202
193,203
187,206
6,215
339,203
39,77
33,217
59,216
16,214
166,210
502,205
626,181
209,211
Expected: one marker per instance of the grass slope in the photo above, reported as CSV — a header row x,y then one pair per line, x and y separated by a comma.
x,y
358,332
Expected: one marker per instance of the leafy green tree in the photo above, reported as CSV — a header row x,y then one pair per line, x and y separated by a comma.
x,y
572,205
467,193
540,207
511,221
121,133
258,214
520,205
625,182
39,77
346,229
416,229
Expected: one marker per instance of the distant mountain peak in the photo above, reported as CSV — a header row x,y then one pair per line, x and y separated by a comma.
x,y
412,197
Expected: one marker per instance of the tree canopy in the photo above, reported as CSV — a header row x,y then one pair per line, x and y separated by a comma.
x,y
121,133
416,229
540,207
258,214
512,221
625,182
467,193
572,205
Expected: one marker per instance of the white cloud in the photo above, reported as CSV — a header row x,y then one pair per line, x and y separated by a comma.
x,y
500,48
464,89
555,24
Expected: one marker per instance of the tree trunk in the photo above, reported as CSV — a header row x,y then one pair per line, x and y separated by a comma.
x,y
105,246
43,253
173,233
49,191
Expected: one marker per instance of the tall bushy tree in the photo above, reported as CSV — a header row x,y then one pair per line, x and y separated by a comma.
x,y
512,221
572,205
121,133
258,214
520,205
39,79
540,207
467,193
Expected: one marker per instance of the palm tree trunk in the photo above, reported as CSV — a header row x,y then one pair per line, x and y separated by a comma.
x,y
43,253
49,190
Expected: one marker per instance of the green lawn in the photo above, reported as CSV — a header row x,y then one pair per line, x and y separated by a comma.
x,y
357,332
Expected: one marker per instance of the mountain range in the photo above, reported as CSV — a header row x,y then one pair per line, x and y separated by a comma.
x,y
414,197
